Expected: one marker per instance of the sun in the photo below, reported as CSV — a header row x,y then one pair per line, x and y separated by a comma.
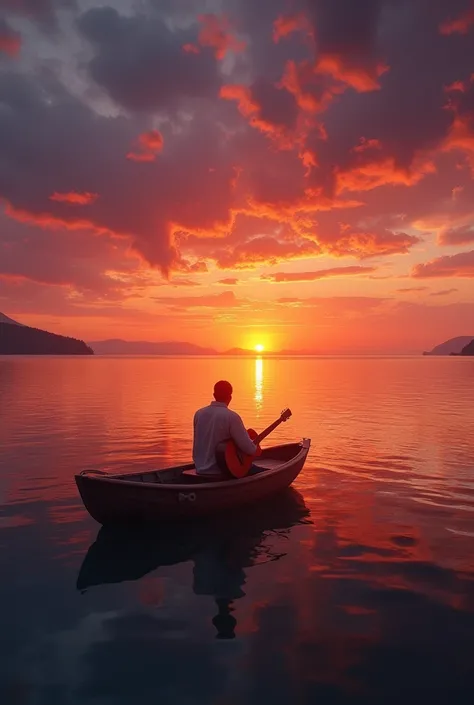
x,y
259,348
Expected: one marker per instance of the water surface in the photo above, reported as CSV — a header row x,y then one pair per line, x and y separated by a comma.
x,y
354,587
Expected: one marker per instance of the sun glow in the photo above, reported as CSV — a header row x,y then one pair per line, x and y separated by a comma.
x,y
259,348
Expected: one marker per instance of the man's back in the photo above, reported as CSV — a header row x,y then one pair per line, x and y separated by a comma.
x,y
212,425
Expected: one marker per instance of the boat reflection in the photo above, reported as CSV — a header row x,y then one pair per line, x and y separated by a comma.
x,y
221,549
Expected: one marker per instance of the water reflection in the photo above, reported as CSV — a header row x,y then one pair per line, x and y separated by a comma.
x,y
258,383
220,549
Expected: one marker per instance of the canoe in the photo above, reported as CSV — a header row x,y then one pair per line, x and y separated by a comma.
x,y
178,493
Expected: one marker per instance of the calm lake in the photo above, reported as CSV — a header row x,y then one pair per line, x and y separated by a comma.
x,y
356,586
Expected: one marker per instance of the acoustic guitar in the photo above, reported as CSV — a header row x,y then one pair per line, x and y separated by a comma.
x,y
230,458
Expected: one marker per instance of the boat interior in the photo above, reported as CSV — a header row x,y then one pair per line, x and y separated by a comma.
x,y
271,459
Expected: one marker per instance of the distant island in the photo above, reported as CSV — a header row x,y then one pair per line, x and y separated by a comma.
x,y
454,346
17,339
468,349
116,346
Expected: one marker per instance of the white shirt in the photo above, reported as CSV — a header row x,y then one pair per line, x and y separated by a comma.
x,y
212,425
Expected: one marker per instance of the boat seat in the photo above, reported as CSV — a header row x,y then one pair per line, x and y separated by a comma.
x,y
193,476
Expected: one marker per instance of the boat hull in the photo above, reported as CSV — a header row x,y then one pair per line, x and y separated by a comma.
x,y
121,499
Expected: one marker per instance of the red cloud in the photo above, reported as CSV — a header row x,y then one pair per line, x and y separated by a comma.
x,y
10,42
460,25
216,32
460,265
319,274
286,24
150,143
75,199
191,49
457,236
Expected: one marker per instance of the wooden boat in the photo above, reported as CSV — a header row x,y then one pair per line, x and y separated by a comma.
x,y
180,493
128,553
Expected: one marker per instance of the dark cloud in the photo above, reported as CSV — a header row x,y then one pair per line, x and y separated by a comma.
x,y
363,106
347,40
141,63
52,143
42,11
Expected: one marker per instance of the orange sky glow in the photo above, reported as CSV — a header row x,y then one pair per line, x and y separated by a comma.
x,y
296,175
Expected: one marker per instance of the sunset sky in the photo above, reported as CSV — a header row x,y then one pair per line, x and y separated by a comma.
x,y
291,173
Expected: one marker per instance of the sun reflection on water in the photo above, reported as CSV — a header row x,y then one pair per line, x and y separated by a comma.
x,y
258,383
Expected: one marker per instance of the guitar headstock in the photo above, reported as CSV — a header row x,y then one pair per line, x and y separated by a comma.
x,y
285,415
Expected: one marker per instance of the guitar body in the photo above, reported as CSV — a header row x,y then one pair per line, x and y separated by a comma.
x,y
230,459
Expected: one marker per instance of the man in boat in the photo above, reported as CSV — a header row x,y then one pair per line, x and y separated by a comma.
x,y
214,424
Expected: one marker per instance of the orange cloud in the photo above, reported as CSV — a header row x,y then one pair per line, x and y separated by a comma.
x,y
252,110
287,24
381,170
459,25
216,32
361,79
225,300
312,93
412,289
149,145
75,199
444,292
230,281
264,250
319,274
460,265
361,243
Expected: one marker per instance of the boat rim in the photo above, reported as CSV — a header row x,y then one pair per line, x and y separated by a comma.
x,y
305,444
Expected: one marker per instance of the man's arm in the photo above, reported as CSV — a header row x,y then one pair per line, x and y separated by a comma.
x,y
240,436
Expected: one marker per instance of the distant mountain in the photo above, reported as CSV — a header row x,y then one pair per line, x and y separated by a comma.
x,y
468,349
16,339
143,347
5,319
452,346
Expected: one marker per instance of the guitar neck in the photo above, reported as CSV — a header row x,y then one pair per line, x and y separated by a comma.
x,y
267,431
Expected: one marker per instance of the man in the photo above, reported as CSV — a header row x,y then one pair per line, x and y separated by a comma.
x,y
216,423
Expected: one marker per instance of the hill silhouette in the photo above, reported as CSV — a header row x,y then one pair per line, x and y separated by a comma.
x,y
116,346
468,349
453,346
6,319
17,339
